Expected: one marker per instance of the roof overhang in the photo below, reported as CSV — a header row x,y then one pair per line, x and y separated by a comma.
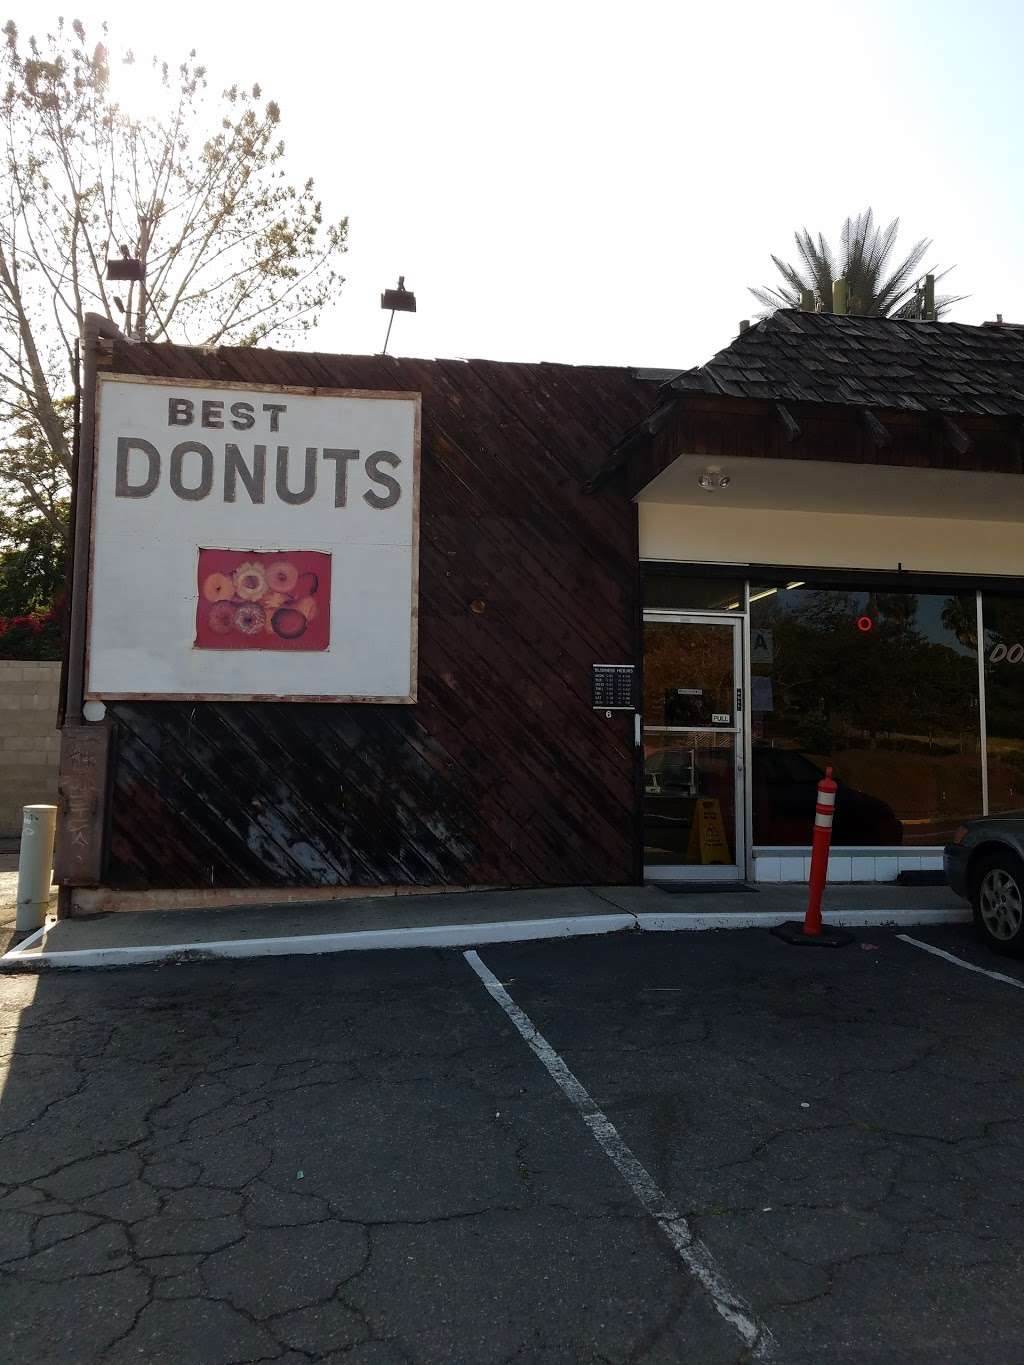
x,y
719,427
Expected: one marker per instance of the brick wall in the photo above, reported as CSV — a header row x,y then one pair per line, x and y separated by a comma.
x,y
28,739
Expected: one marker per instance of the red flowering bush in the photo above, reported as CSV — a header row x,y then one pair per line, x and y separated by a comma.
x,y
34,636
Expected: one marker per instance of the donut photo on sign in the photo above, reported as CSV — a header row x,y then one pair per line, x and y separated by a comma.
x,y
263,599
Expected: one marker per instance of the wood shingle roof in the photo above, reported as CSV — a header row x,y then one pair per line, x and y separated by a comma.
x,y
944,367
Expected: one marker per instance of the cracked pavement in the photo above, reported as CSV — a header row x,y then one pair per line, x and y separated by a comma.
x,y
357,1159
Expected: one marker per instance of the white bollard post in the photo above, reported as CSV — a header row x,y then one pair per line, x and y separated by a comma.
x,y
35,867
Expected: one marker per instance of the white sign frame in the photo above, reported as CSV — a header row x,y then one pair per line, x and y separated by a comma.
x,y
229,386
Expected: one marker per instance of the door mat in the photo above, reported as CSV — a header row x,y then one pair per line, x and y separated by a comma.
x,y
701,888
917,877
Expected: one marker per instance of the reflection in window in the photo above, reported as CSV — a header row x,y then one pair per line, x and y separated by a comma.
x,y
688,673
689,771
1004,695
677,592
882,685
683,772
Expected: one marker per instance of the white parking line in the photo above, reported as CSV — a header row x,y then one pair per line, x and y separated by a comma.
x,y
19,948
959,962
691,1251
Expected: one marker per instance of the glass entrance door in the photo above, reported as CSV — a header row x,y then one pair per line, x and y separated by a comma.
x,y
693,748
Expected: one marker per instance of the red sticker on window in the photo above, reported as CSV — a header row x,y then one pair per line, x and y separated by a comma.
x,y
257,599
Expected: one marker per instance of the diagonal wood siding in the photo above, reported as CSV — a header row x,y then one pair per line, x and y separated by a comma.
x,y
501,773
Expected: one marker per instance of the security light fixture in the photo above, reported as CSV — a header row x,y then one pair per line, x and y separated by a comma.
x,y
400,300
712,478
128,267
131,270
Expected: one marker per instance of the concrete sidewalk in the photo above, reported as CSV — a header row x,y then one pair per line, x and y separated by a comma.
x,y
457,919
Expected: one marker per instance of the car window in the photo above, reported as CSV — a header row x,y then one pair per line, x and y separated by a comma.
x,y
787,766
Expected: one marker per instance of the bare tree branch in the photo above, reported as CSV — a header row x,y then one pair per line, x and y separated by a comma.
x,y
234,252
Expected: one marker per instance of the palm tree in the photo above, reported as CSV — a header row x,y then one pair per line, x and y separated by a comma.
x,y
872,290
960,615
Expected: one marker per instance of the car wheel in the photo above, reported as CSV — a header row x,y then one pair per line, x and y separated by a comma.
x,y
998,900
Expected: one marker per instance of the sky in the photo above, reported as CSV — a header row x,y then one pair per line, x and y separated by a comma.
x,y
598,183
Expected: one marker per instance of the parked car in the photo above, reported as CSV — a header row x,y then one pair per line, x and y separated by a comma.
x,y
785,790
985,865
784,795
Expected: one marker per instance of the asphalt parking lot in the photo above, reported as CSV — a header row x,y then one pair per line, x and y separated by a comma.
x,y
685,1147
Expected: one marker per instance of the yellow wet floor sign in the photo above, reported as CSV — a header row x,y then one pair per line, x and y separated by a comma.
x,y
707,834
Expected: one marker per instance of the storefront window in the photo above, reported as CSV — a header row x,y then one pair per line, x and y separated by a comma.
x,y
882,685
1004,697
675,592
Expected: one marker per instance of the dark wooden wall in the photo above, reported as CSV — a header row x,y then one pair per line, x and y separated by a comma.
x,y
501,773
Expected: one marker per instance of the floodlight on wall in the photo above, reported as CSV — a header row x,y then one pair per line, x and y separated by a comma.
x,y
125,268
400,300
712,478
132,270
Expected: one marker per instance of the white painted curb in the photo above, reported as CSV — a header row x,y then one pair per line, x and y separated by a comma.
x,y
419,936
457,936
672,921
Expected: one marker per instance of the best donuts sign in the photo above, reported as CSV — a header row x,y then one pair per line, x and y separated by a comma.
x,y
253,542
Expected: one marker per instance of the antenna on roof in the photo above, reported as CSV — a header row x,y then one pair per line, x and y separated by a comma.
x,y
922,309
